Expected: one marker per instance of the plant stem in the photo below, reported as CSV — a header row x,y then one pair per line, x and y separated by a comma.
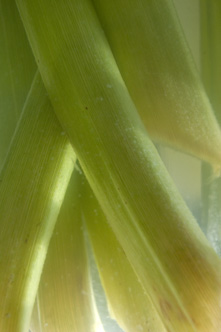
x,y
17,68
33,185
211,72
165,246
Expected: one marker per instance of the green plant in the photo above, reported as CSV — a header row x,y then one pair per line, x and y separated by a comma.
x,y
97,73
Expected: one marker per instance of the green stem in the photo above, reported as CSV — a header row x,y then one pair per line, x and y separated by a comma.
x,y
17,68
128,303
157,67
156,230
33,185
211,72
65,299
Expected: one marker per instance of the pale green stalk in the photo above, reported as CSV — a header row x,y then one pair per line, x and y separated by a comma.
x,y
33,185
155,62
39,157
17,68
65,299
127,301
210,12
211,72
172,258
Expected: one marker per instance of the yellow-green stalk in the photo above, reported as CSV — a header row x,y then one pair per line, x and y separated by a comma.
x,y
172,258
211,72
17,68
127,301
65,299
33,183
210,12
155,62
